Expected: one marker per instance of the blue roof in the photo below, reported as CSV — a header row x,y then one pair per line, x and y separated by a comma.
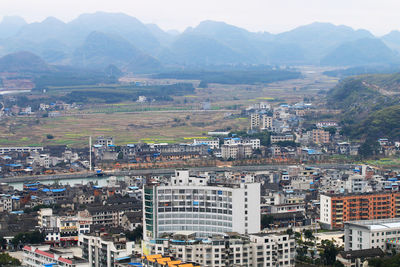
x,y
14,165
133,187
17,212
58,190
33,188
123,258
45,190
33,184
135,264
15,198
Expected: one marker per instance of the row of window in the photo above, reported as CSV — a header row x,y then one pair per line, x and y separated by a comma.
x,y
194,191
198,222
195,215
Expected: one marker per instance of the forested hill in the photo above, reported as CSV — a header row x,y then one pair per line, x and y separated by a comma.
x,y
370,105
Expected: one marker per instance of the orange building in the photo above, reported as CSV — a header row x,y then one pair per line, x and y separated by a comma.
x,y
337,209
320,136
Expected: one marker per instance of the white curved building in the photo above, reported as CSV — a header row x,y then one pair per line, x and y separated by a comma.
x,y
192,203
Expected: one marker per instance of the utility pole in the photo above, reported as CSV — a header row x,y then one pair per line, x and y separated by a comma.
x,y
90,153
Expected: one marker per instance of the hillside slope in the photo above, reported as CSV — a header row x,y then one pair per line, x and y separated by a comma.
x,y
370,106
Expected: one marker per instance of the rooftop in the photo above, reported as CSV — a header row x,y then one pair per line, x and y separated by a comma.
x,y
363,253
381,224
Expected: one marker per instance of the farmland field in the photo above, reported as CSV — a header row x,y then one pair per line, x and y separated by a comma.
x,y
168,121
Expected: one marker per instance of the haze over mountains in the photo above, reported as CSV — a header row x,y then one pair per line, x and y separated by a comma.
x,y
97,40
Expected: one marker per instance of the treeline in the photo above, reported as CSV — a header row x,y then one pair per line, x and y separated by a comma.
x,y
360,70
233,76
73,77
115,95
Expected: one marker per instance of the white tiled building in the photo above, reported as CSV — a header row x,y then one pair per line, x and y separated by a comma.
x,y
212,143
371,233
103,250
43,255
230,250
191,203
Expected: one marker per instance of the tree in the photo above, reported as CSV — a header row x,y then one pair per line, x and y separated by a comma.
x,y
308,234
289,231
50,136
136,234
368,148
7,260
331,130
29,237
266,220
329,252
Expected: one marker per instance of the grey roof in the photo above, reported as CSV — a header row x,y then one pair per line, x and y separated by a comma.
x,y
363,253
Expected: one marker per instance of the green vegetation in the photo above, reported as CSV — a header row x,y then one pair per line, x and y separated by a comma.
x,y
363,70
135,235
370,109
388,262
266,221
120,94
28,238
70,77
232,77
7,260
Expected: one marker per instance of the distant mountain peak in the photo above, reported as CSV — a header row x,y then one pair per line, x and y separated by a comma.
x,y
23,61
13,20
52,20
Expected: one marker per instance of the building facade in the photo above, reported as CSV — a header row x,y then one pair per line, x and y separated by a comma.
x,y
320,136
102,250
43,255
230,250
371,234
192,203
335,210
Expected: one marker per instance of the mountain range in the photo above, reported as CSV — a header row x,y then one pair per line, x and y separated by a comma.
x,y
100,39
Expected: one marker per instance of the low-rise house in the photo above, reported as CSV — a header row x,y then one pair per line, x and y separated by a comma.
x,y
43,255
102,249
359,258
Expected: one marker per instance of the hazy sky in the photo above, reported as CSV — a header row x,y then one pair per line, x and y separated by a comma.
x,y
378,16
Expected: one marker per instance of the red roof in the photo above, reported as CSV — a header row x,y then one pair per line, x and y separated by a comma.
x,y
47,254
65,260
27,247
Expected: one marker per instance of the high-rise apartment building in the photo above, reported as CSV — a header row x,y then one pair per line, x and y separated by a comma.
x,y
195,204
335,210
